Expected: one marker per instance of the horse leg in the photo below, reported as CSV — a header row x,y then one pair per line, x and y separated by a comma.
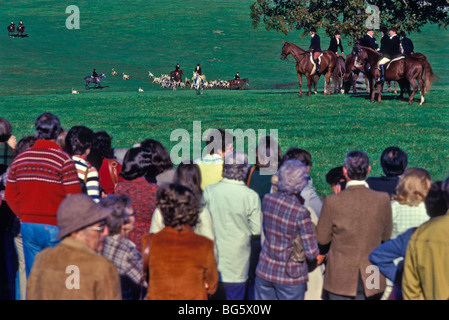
x,y
354,82
300,84
421,88
415,89
379,92
395,87
328,82
315,81
309,85
372,90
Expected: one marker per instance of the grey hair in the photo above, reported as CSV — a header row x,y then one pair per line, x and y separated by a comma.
x,y
120,214
357,164
292,177
235,165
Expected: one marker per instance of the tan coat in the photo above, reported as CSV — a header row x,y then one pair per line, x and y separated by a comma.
x,y
54,275
355,221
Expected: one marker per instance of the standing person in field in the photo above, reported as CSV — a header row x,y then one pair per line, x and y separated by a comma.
x,y
103,159
137,164
236,217
284,218
78,143
408,205
181,263
426,275
218,143
353,222
393,161
34,195
74,269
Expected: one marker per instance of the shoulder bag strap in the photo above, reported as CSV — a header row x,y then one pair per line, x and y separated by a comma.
x,y
250,174
112,164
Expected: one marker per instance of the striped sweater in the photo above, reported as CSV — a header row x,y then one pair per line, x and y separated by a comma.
x,y
39,179
88,177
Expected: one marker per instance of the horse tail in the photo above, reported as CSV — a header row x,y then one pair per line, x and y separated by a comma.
x,y
428,75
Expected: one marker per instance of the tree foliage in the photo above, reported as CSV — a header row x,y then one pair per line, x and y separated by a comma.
x,y
349,17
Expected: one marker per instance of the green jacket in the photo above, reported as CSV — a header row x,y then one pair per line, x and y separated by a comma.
x,y
426,271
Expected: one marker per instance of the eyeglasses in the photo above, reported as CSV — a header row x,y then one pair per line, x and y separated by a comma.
x,y
99,228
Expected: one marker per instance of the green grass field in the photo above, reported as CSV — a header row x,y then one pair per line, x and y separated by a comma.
x,y
38,73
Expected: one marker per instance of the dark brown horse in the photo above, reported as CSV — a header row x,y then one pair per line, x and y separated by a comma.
x,y
176,75
338,74
410,70
305,67
352,74
239,83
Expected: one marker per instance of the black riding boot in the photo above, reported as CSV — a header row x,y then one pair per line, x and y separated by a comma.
x,y
317,65
382,73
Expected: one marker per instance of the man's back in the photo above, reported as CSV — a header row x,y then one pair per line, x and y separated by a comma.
x,y
355,221
57,271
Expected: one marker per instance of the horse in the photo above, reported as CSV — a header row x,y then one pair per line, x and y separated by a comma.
x,y
408,70
353,71
97,80
338,74
304,66
238,82
198,82
176,75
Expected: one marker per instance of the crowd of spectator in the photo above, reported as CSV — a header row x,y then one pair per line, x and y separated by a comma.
x,y
76,222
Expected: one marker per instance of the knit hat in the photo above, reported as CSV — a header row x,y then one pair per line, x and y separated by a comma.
x,y
78,211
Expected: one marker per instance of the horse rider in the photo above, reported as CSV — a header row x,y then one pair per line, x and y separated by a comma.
x,y
177,68
336,44
390,50
369,41
407,47
315,47
20,27
385,37
198,69
11,28
237,76
94,74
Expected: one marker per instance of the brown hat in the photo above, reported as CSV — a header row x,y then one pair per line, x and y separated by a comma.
x,y
78,211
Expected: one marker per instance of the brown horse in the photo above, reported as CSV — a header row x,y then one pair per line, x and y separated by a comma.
x,y
239,83
352,70
305,67
176,75
415,68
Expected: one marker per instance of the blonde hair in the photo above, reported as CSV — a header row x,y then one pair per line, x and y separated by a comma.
x,y
413,187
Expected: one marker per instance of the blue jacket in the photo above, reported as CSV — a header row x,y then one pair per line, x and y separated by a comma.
x,y
385,255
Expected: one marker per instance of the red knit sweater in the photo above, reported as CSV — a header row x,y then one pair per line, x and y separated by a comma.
x,y
39,179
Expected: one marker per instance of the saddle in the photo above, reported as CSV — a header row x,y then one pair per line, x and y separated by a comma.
x,y
393,60
313,61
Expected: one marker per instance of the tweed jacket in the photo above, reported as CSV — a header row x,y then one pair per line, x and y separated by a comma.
x,y
57,271
355,221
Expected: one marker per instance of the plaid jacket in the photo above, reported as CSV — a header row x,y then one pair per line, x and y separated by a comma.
x,y
123,253
7,154
283,219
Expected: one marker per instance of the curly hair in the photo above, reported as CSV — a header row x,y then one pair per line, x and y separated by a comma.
x,y
179,206
293,177
102,144
413,186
